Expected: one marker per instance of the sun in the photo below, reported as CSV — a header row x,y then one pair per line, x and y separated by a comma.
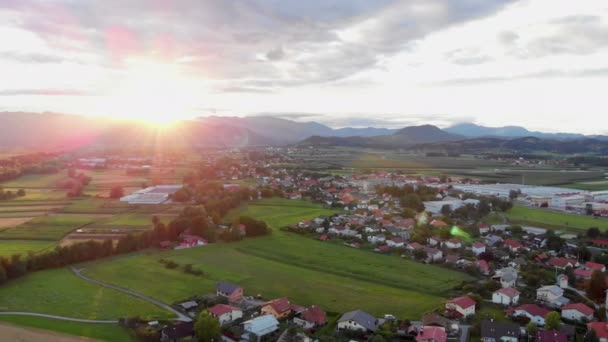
x,y
156,93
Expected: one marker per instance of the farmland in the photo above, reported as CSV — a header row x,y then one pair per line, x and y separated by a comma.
x,y
552,219
23,247
284,264
103,332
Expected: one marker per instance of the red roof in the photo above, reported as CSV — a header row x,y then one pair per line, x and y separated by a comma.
x,y
315,315
280,305
483,266
221,309
594,266
509,292
601,330
464,302
533,310
580,307
324,238
415,245
438,223
436,334
512,243
579,272
397,240
561,262
479,244
600,242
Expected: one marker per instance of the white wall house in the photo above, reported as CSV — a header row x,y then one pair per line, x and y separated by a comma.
x,y
577,312
506,296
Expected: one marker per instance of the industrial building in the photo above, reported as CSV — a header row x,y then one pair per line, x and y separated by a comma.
x,y
152,195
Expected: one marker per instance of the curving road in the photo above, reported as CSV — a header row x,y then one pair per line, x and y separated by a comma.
x,y
180,316
79,320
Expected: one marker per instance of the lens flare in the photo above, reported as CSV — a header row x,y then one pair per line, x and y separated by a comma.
x,y
456,231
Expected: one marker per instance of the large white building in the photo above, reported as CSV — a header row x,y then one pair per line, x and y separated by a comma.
x,y
152,195
563,202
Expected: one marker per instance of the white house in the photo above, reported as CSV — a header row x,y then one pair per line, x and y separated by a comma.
x,y
433,254
506,296
462,306
479,248
577,312
259,327
453,244
507,277
358,321
551,295
225,313
395,242
376,239
534,312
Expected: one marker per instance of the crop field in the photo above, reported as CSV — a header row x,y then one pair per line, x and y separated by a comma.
x,y
35,181
553,219
556,177
284,264
23,247
51,228
59,292
101,332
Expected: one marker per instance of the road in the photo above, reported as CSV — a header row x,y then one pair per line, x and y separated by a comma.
x,y
79,320
180,316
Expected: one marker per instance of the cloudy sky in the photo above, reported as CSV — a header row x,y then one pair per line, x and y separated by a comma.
x,y
542,64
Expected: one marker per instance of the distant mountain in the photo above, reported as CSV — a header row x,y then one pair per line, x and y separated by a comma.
x,y
404,137
474,131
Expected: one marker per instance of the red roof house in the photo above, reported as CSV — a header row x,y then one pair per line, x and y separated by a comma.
x,y
432,334
594,266
315,315
601,330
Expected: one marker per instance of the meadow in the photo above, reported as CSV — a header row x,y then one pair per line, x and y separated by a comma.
x,y
23,247
284,264
59,292
51,228
102,332
553,219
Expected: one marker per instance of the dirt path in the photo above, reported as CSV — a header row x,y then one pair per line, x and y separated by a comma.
x,y
180,316
14,333
62,318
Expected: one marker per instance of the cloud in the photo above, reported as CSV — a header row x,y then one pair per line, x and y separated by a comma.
x,y
30,57
275,54
545,74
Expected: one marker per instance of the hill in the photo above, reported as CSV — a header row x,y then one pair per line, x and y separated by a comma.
x,y
473,130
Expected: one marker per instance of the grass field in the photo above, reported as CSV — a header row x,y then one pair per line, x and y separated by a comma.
x,y
51,228
307,271
102,332
59,292
552,219
35,181
23,247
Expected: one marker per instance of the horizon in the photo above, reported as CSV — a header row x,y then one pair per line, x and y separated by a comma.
x,y
537,64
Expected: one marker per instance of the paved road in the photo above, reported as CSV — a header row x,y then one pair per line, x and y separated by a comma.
x,y
465,333
19,313
180,316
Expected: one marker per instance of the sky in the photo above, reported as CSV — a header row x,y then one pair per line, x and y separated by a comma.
x,y
542,64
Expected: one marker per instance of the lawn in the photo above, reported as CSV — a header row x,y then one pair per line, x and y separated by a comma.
x,y
50,228
284,264
102,332
61,293
23,247
35,181
552,219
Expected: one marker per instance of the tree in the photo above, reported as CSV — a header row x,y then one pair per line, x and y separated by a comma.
x,y
117,192
600,314
591,336
513,194
408,213
552,321
181,195
419,254
20,192
446,210
532,328
207,328
593,232
597,286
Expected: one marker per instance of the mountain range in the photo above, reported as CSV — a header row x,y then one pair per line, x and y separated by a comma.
x,y
44,131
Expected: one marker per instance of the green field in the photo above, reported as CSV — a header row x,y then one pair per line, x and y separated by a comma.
x,y
102,332
51,228
23,247
284,264
552,219
35,181
59,292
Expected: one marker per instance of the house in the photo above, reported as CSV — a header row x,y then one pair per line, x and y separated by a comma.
x,y
506,276
460,307
533,312
593,266
562,263
453,244
518,262
483,267
189,305
562,281
279,308
435,241
492,331
395,242
414,246
233,292
433,254
577,312
484,229
376,239
551,295
225,313
514,246
551,336
259,327
479,248
506,296
438,224
177,332
493,240
432,334
601,330
190,240
584,274
358,321
311,318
